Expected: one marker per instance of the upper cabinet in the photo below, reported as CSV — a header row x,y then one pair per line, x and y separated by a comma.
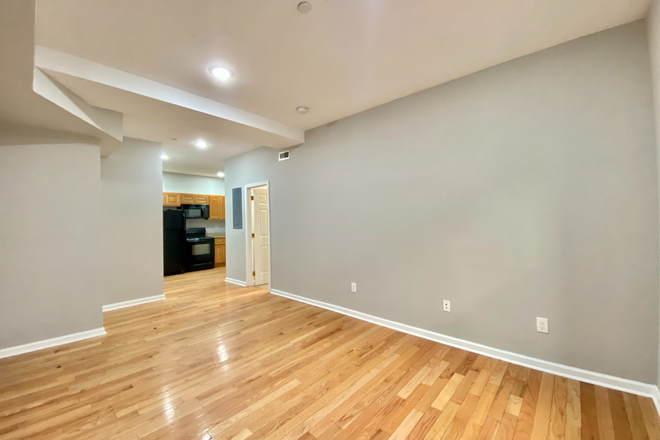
x,y
216,203
216,207
201,200
188,199
171,199
194,199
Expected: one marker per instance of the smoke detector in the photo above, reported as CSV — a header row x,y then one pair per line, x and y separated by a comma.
x,y
302,110
304,7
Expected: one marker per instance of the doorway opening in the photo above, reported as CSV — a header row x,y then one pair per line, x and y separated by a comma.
x,y
258,234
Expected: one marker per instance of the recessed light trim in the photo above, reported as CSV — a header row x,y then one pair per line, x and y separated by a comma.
x,y
201,144
302,109
304,7
221,73
221,174
164,157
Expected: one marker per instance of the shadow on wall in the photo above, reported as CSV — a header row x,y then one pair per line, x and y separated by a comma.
x,y
13,135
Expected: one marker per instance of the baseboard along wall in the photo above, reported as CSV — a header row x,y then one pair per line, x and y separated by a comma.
x,y
48,343
237,282
133,302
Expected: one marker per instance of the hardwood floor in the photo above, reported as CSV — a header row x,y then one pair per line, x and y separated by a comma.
x,y
219,361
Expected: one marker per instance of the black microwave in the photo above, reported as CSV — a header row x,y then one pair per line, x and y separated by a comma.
x,y
196,211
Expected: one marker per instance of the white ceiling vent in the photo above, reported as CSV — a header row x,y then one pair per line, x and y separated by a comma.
x,y
284,155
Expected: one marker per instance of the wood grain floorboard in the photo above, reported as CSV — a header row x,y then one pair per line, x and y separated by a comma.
x,y
219,361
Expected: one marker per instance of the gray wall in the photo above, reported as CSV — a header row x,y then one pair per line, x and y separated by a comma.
x,y
49,235
528,189
77,231
132,222
653,20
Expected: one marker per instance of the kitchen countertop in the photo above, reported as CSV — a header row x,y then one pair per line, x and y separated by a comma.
x,y
215,234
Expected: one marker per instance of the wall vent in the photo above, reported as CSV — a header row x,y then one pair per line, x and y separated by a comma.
x,y
284,155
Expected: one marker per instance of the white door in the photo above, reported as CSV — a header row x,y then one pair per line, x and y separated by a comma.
x,y
260,235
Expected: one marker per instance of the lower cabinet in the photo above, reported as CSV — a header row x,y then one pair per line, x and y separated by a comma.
x,y
219,252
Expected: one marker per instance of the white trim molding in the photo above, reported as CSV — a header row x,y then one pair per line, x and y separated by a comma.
x,y
655,395
48,343
237,282
133,302
592,377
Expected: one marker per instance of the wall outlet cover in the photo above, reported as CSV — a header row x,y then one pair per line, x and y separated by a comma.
x,y
446,305
542,325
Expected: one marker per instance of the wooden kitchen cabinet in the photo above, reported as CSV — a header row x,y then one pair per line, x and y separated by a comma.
x,y
188,199
219,252
201,199
194,199
216,203
171,199
216,207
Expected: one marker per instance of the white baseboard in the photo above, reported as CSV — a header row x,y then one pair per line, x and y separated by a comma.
x,y
655,395
237,282
617,383
48,343
133,302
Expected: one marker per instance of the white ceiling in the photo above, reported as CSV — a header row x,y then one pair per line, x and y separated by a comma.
x,y
343,57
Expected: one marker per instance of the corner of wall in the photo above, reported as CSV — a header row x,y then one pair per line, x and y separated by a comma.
x,y
653,26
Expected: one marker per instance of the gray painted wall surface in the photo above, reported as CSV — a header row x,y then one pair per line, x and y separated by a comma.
x,y
528,189
653,20
49,236
132,222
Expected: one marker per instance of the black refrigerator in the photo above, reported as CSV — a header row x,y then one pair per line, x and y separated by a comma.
x,y
174,241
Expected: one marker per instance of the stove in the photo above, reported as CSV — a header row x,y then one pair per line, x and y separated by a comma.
x,y
200,252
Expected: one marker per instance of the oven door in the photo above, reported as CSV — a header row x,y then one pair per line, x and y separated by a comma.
x,y
202,250
201,254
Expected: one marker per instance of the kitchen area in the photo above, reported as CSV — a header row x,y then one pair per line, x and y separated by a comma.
x,y
193,223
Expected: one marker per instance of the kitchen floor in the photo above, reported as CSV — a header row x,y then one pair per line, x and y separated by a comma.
x,y
219,361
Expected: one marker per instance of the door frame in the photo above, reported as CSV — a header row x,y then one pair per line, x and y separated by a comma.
x,y
247,215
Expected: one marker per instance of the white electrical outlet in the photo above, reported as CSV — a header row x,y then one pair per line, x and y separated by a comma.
x,y
353,287
542,325
446,305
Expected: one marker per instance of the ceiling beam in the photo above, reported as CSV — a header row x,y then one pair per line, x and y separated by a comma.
x,y
108,121
52,60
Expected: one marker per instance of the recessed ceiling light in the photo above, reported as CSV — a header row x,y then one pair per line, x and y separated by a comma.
x,y
302,110
201,144
304,7
221,72
221,174
164,156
